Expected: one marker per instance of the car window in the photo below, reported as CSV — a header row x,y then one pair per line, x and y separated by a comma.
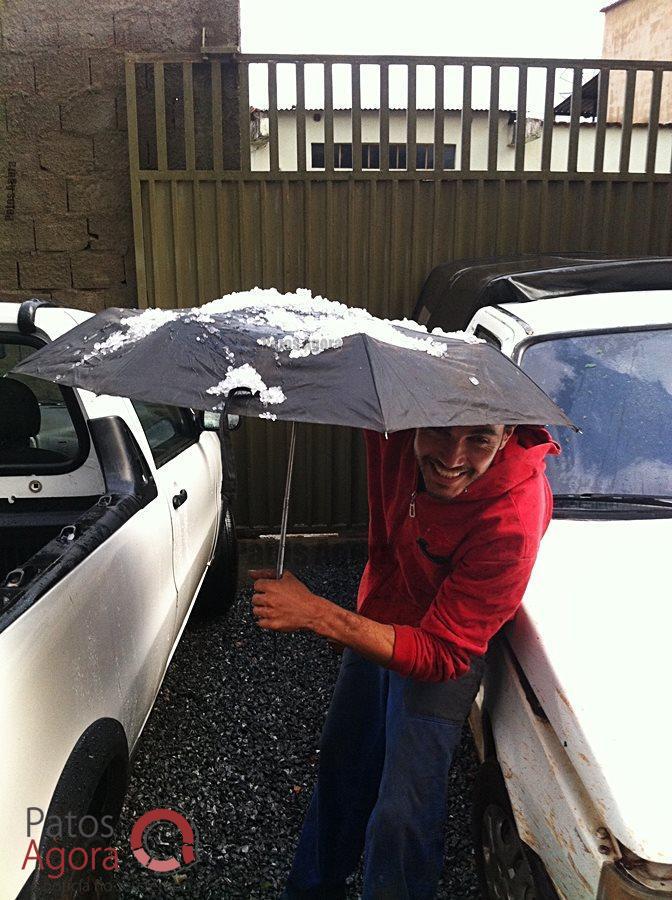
x,y
169,429
488,336
37,430
617,388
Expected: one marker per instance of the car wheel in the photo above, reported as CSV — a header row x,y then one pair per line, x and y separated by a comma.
x,y
220,585
83,812
507,868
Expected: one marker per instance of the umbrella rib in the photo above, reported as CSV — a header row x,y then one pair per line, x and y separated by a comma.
x,y
365,339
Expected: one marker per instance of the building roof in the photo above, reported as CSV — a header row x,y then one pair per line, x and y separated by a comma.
x,y
588,99
612,5
391,109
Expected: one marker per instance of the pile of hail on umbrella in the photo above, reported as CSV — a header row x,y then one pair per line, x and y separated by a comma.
x,y
302,325
307,358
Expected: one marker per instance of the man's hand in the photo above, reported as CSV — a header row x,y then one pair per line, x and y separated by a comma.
x,y
288,605
285,605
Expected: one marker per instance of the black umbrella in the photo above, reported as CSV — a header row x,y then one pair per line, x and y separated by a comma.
x,y
302,359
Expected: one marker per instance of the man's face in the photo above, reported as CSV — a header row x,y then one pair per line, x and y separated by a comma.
x,y
451,458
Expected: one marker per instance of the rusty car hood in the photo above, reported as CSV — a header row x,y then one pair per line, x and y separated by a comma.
x,y
594,639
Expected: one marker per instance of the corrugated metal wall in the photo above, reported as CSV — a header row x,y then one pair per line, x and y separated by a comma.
x,y
368,238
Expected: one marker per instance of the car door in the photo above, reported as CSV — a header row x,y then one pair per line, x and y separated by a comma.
x,y
188,476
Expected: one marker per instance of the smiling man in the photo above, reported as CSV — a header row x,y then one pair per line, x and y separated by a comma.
x,y
455,520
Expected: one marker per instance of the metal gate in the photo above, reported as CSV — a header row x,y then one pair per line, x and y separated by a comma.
x,y
358,203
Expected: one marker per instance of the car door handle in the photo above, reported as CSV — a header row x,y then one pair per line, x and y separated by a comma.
x,y
179,499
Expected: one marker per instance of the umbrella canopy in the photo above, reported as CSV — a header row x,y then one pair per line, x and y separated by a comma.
x,y
302,358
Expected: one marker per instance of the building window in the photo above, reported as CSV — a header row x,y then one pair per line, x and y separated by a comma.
x,y
317,156
397,153
424,158
342,156
370,156
449,156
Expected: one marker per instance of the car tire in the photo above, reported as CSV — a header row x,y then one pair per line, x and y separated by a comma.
x,y
220,585
92,786
507,868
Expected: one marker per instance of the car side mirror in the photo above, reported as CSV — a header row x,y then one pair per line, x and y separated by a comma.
x,y
210,421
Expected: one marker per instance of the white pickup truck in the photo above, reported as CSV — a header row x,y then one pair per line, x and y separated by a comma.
x,y
573,722
113,525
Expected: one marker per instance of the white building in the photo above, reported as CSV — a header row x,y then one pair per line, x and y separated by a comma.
x,y
287,142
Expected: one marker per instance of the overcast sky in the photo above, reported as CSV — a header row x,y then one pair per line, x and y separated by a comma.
x,y
532,28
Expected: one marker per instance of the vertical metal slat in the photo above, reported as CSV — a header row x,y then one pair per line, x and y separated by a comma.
x,y
355,80
436,215
393,256
574,121
384,118
654,116
439,117
136,195
328,118
549,121
300,117
371,245
189,135
626,133
154,231
307,235
411,119
201,250
521,119
177,244
244,116
221,242
217,144
600,128
160,115
493,120
465,131
273,118
352,243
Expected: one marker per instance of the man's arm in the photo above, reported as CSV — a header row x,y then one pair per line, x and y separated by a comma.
x,y
483,591
288,605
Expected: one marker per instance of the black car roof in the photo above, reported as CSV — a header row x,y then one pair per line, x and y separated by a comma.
x,y
454,291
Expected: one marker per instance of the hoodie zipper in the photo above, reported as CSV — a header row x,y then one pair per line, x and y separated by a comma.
x,y
411,505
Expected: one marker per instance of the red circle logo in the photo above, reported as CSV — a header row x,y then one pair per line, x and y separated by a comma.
x,y
170,864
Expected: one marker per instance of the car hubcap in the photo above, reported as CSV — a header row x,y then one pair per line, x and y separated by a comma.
x,y
507,871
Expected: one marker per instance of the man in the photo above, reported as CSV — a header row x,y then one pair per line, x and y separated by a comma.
x,y
456,517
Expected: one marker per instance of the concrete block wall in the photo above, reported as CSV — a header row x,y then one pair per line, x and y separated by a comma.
x,y
65,223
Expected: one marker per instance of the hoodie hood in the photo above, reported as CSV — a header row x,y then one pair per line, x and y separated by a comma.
x,y
523,457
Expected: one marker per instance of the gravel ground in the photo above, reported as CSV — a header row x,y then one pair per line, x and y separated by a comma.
x,y
232,742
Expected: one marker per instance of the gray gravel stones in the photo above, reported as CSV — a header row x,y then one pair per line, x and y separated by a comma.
x,y
232,742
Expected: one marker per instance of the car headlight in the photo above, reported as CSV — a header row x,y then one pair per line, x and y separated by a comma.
x,y
633,877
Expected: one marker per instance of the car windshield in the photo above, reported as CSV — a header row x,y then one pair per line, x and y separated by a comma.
x,y
617,388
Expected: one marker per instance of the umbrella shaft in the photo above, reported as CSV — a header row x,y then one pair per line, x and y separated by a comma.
x,y
285,503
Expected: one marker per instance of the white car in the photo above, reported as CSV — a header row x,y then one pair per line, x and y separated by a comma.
x,y
573,723
112,527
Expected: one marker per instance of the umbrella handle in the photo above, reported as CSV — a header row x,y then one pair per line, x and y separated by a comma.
x,y
285,504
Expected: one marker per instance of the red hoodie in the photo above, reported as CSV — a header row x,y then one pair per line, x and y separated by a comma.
x,y
448,578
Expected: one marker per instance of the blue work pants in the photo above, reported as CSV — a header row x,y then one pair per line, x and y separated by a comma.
x,y
382,785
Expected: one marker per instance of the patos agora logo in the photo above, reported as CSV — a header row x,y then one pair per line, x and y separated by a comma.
x,y
75,845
